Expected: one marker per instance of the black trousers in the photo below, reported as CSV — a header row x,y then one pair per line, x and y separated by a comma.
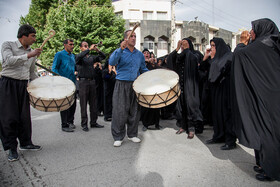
x,y
87,94
15,119
67,116
108,97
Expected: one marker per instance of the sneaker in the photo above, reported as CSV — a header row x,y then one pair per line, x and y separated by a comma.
x,y
30,147
72,126
67,129
135,139
13,155
118,143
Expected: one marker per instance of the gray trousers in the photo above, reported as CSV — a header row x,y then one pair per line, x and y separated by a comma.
x,y
125,111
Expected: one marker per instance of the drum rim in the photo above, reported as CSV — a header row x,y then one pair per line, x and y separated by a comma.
x,y
51,98
171,86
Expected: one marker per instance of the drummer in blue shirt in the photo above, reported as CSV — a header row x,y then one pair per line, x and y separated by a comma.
x,y
64,65
129,63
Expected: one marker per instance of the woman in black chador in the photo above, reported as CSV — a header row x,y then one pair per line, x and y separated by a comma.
x,y
257,97
219,78
150,116
109,80
186,65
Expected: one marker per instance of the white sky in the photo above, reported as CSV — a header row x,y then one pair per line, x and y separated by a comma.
x,y
227,14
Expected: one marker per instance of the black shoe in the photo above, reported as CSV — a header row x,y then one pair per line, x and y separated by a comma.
x,y
13,155
30,147
258,169
96,125
144,128
211,141
158,127
107,119
263,177
85,129
227,147
72,126
67,129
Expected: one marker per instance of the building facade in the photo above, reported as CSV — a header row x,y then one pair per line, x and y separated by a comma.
x,y
154,32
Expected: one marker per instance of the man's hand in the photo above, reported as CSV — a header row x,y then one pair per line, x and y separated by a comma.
x,y
94,47
35,52
124,44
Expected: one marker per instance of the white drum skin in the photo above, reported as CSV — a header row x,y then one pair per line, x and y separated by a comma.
x,y
51,93
157,88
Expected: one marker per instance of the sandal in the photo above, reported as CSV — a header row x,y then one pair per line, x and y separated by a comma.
x,y
180,131
190,135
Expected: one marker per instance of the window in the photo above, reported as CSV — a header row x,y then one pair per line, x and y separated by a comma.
x,y
196,46
119,13
162,44
147,15
148,43
161,15
134,13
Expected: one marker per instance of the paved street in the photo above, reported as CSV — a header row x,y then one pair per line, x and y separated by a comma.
x,y
161,159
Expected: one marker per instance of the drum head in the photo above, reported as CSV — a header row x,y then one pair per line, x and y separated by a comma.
x,y
51,87
51,93
155,82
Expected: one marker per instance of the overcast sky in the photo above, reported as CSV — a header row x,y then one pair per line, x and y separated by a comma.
x,y
227,14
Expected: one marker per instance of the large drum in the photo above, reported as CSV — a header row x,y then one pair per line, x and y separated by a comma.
x,y
157,88
51,93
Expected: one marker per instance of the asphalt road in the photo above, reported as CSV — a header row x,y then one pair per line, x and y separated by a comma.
x,y
161,159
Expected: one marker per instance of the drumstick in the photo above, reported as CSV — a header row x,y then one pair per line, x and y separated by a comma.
x,y
135,26
43,67
51,34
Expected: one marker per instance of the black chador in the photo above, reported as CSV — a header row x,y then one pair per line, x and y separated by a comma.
x,y
109,80
186,65
257,89
150,116
219,78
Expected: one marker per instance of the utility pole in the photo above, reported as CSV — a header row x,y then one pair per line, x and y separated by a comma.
x,y
173,28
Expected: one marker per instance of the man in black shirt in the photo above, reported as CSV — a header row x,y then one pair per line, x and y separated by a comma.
x,y
87,86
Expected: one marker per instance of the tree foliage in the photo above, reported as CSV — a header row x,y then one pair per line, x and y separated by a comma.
x,y
80,20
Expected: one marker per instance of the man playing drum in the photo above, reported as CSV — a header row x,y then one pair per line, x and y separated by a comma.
x,y
18,62
129,62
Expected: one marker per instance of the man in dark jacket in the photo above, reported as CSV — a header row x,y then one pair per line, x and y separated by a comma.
x,y
87,86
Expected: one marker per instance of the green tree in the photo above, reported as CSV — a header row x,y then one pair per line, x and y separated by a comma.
x,y
80,20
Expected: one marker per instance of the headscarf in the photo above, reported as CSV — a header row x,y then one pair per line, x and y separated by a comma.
x,y
222,57
264,27
190,44
221,47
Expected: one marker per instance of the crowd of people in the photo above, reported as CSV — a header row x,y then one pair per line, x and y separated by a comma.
x,y
235,92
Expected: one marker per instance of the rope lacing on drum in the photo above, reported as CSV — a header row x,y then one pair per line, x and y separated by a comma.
x,y
177,92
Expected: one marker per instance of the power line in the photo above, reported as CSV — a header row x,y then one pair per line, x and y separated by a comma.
x,y
237,18
218,16
203,10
